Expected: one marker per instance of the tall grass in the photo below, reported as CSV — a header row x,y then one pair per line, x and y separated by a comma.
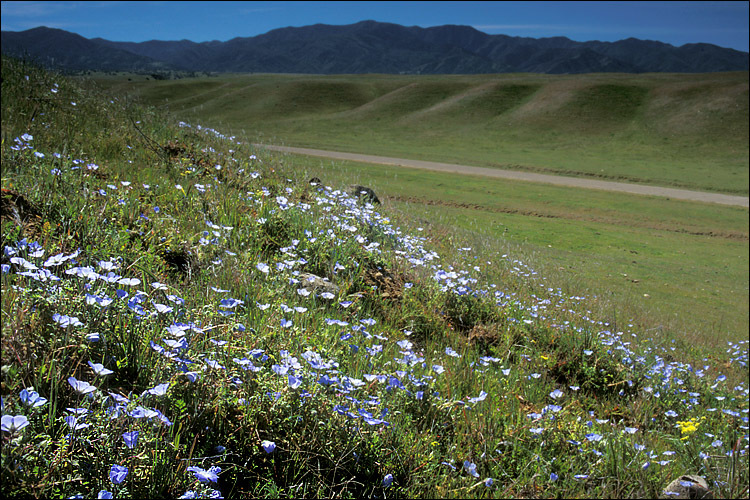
x,y
160,340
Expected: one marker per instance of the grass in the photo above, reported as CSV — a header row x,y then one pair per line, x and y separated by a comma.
x,y
434,370
687,131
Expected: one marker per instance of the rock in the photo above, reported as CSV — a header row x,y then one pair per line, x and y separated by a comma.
x,y
365,194
15,207
315,284
688,487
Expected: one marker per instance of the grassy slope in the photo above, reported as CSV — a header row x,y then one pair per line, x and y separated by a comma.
x,y
687,131
566,405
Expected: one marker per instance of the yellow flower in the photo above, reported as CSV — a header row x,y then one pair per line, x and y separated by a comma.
x,y
689,427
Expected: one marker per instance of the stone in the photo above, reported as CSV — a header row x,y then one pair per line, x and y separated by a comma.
x,y
688,486
365,194
315,284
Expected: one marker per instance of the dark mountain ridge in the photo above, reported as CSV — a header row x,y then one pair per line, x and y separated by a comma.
x,y
372,47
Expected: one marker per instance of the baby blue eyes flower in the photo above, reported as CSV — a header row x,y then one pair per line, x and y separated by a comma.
x,y
557,393
594,437
231,303
131,439
176,299
118,473
717,443
405,344
66,321
471,468
294,382
452,353
482,396
163,309
159,390
671,413
214,364
99,369
262,267
553,477
104,494
32,398
268,446
80,386
74,423
205,476
387,480
13,424
489,482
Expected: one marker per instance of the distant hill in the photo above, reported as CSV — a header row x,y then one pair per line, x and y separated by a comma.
x,y
60,49
372,47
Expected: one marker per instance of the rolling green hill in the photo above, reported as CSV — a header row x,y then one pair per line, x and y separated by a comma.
x,y
688,131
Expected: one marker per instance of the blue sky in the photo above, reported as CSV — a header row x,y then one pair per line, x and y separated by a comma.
x,y
721,23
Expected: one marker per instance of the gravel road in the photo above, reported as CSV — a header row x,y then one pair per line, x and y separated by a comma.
x,y
678,194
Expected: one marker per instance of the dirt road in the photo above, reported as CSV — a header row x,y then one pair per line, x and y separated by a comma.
x,y
678,194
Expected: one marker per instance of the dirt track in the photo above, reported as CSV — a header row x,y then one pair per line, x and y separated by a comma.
x,y
679,194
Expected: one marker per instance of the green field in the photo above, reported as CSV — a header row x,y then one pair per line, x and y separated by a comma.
x,y
688,131
670,265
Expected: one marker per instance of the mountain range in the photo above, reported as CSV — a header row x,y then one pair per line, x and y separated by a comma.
x,y
370,47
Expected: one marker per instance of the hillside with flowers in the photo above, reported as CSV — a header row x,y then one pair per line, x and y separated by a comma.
x,y
185,317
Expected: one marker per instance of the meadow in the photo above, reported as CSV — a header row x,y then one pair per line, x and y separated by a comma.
x,y
687,131
164,334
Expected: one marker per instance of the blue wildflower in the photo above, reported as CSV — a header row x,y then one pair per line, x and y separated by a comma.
x,y
118,473
205,476
13,424
130,438
268,446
